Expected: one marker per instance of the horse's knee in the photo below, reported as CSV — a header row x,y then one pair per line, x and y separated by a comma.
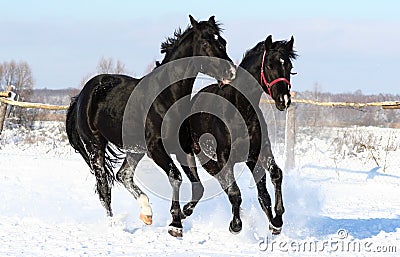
x,y
274,171
276,175
120,176
175,176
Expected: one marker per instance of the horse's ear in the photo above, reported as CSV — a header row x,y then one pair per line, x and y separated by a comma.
x,y
268,43
193,22
289,44
211,20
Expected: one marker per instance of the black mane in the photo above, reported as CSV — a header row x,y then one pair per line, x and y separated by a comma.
x,y
171,42
277,46
280,45
253,51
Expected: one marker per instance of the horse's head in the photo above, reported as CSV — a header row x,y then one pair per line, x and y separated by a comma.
x,y
207,41
276,70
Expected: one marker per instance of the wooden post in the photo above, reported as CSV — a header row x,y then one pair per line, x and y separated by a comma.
x,y
3,109
290,137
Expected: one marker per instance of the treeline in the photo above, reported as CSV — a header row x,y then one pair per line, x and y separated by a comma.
x,y
347,116
53,96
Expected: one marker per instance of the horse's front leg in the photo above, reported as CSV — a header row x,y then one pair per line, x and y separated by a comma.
x,y
276,175
157,152
264,198
188,165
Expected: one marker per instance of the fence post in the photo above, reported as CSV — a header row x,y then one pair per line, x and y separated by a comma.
x,y
290,137
3,110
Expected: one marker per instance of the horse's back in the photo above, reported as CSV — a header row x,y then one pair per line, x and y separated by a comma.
x,y
101,104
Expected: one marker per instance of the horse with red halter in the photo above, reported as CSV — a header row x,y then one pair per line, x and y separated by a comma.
x,y
234,129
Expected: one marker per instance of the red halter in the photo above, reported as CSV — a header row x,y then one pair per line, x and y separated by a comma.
x,y
264,80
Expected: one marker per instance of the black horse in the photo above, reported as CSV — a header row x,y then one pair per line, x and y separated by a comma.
x,y
97,117
218,127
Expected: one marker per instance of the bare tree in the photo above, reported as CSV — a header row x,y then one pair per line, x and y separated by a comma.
x,y
1,75
120,68
105,66
150,67
20,76
108,66
86,78
316,94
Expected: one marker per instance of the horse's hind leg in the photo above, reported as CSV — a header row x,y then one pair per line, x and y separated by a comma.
x,y
157,152
190,169
228,183
103,187
226,178
125,176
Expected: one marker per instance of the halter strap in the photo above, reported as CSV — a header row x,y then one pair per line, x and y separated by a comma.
x,y
264,81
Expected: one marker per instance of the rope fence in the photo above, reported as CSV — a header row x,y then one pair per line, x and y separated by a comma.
x,y
34,105
384,105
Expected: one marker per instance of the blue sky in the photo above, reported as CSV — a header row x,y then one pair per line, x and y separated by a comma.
x,y
343,45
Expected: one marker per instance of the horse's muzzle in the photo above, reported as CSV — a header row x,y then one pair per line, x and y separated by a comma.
x,y
229,76
283,102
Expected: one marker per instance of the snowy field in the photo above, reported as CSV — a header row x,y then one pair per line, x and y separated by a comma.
x,y
342,199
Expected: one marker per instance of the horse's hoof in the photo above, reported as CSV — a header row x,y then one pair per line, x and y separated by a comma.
x,y
147,219
275,230
235,229
175,232
187,210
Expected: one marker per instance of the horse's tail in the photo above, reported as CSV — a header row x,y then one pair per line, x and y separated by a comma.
x,y
73,136
113,155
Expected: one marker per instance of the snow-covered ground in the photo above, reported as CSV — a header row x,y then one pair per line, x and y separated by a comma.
x,y
341,199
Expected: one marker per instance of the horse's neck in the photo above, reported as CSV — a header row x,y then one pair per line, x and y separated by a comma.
x,y
183,87
252,90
